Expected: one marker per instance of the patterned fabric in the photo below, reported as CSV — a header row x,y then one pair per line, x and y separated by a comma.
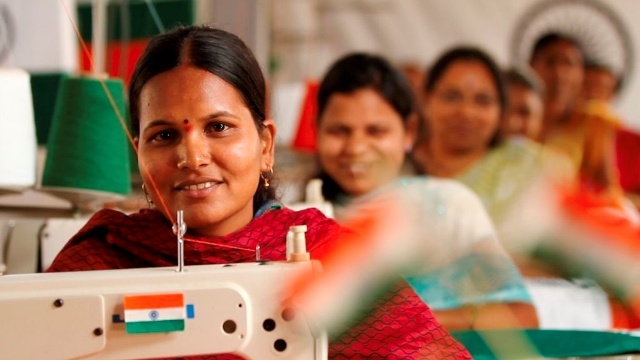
x,y
405,323
397,326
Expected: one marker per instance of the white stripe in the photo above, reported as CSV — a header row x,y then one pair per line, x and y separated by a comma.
x,y
155,314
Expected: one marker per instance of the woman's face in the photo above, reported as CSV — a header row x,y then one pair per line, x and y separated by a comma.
x,y
561,66
200,145
362,141
463,109
524,113
599,84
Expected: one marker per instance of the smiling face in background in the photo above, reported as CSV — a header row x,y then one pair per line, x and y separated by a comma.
x,y
463,108
599,84
199,142
361,141
524,113
560,65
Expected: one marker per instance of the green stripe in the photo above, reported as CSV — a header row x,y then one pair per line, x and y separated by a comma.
x,y
145,327
172,13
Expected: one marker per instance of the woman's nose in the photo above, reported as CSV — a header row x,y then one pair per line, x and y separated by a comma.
x,y
468,108
355,144
193,152
516,123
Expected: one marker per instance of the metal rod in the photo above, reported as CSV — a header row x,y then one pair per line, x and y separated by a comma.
x,y
180,231
98,42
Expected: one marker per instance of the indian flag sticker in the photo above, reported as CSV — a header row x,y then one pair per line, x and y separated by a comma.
x,y
154,313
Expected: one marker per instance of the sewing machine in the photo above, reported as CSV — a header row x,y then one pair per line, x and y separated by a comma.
x,y
161,312
232,308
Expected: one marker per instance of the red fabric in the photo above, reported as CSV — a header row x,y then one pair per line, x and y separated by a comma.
x,y
397,326
628,159
306,135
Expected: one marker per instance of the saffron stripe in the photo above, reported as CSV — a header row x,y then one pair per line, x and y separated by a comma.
x,y
146,327
139,302
155,314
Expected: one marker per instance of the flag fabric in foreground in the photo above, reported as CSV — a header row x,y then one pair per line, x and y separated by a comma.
x,y
154,313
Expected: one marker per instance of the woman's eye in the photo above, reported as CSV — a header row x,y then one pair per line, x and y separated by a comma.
x,y
338,131
164,135
451,96
218,127
376,131
485,100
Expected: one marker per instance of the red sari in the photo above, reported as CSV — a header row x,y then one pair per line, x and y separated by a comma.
x,y
397,326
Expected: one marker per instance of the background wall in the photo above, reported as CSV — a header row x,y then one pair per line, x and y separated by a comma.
x,y
309,34
41,35
296,40
305,36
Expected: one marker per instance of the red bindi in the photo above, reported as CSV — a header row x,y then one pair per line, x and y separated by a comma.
x,y
187,126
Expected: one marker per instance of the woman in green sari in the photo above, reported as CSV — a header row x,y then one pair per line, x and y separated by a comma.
x,y
465,101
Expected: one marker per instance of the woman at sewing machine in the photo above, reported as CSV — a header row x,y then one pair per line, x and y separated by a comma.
x,y
367,123
206,147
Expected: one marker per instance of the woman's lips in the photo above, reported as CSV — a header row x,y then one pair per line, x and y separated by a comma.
x,y
198,189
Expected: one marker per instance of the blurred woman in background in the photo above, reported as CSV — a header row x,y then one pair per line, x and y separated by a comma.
x,y
367,122
465,101
525,110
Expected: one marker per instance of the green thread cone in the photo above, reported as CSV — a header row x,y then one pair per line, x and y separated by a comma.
x,y
45,92
87,152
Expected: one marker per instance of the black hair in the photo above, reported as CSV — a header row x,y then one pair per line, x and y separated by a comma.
x,y
364,71
469,54
551,38
219,52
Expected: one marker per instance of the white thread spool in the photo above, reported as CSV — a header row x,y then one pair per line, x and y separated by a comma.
x,y
299,244
315,199
17,132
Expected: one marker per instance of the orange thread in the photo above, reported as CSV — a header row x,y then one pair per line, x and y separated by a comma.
x,y
221,245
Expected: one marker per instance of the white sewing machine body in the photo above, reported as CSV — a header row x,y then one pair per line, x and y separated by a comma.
x,y
233,308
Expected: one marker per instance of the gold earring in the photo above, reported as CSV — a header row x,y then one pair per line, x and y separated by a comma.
x,y
266,178
146,196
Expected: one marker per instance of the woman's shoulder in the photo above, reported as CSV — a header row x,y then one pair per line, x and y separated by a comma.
x,y
447,189
311,217
323,233
115,219
112,214
91,247
116,224
520,149
515,150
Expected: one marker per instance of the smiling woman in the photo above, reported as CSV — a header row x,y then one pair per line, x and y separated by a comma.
x,y
465,102
221,158
367,121
206,147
